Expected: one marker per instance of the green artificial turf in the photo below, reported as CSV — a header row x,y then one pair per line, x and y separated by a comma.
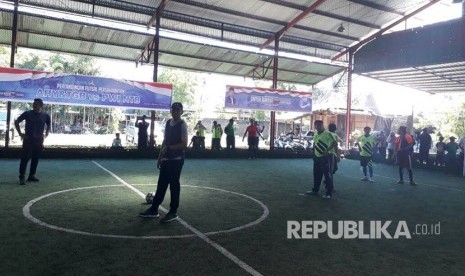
x,y
31,249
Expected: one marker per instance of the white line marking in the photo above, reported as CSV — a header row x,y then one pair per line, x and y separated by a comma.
x,y
28,215
201,235
431,185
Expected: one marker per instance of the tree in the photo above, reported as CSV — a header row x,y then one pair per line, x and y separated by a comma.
x,y
4,57
184,84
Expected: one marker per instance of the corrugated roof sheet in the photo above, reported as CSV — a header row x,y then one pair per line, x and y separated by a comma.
x,y
249,22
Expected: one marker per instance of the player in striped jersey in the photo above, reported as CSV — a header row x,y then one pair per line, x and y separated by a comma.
x,y
365,144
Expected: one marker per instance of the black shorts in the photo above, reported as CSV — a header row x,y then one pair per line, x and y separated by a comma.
x,y
365,160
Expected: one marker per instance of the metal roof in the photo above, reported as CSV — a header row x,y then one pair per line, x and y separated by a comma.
x,y
251,22
430,58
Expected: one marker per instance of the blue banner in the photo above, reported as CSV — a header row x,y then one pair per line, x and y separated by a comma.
x,y
26,85
267,99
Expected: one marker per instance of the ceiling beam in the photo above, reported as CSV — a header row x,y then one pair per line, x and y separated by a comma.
x,y
260,18
291,24
323,13
376,6
379,33
158,12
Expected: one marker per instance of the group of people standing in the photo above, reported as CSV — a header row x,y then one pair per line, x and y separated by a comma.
x,y
253,132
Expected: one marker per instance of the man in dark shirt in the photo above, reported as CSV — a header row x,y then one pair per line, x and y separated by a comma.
x,y
170,162
33,138
230,138
142,138
425,145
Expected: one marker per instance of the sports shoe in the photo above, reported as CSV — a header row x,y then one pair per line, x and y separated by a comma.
x,y
400,182
32,178
371,179
22,181
311,193
326,197
149,213
169,217
412,183
364,178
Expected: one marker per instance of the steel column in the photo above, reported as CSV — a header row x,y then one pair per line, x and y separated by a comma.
x,y
14,44
156,47
349,96
275,85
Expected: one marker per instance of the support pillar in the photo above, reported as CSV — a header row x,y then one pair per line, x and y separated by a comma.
x,y
349,96
14,44
156,46
275,85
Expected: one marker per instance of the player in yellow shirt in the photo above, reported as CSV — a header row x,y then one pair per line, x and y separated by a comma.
x,y
365,144
323,143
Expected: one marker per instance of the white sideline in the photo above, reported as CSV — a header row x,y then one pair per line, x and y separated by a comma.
x,y
201,235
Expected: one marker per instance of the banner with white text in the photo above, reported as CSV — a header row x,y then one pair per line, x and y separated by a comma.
x,y
25,85
240,97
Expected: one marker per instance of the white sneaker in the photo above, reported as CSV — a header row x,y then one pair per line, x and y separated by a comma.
x,y
371,179
364,179
326,197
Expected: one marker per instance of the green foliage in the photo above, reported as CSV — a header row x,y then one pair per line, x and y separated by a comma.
x,y
73,64
183,85
4,57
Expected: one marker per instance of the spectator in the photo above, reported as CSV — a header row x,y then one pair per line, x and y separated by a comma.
x,y
216,136
381,143
230,138
462,149
142,135
425,145
451,156
196,141
440,152
116,142
201,129
391,145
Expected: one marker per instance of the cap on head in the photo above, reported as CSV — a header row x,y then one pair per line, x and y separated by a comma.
x,y
452,138
177,105
39,101
231,120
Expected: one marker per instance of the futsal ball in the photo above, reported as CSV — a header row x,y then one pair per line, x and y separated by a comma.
x,y
149,197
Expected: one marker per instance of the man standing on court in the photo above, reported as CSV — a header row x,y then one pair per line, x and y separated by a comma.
x,y
365,145
323,143
33,138
404,150
230,138
170,162
142,136
201,129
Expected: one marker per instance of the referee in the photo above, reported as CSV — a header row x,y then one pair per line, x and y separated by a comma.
x,y
323,143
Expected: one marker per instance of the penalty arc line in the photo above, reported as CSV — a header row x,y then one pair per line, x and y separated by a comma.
x,y
201,235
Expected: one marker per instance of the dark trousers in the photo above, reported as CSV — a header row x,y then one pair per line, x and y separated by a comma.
x,y
142,142
32,147
230,142
424,155
320,169
170,172
382,153
216,143
202,142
